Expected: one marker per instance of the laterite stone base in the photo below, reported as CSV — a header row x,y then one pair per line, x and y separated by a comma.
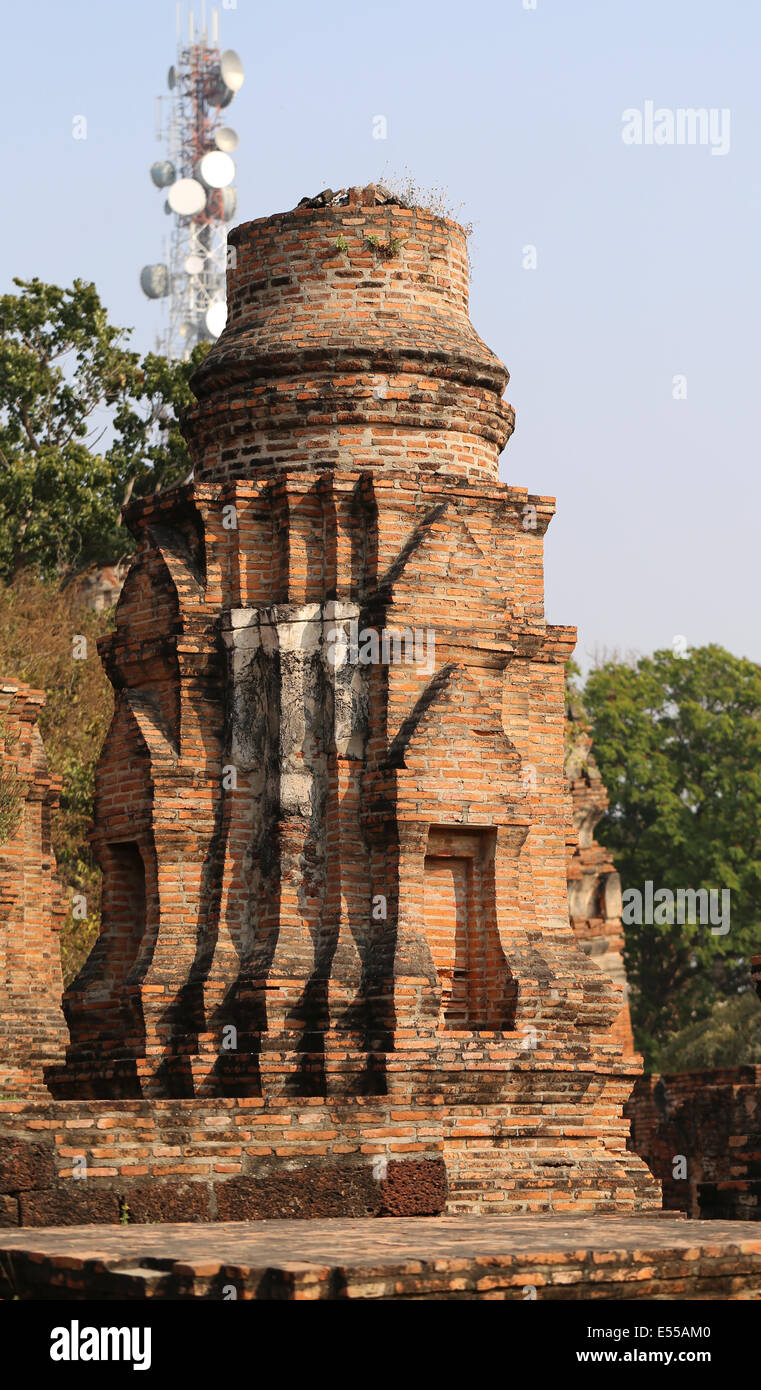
x,y
549,1258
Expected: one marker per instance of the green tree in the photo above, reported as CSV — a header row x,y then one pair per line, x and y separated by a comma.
x,y
730,1036
678,743
84,425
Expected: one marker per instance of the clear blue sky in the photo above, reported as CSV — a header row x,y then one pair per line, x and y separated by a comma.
x,y
648,256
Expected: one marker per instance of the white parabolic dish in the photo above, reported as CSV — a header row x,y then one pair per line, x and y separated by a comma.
x,y
226,139
231,68
216,317
216,169
187,197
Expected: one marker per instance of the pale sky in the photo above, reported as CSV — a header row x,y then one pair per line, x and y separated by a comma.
x,y
647,255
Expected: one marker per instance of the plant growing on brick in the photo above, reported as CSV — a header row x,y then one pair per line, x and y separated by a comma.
x,y
385,249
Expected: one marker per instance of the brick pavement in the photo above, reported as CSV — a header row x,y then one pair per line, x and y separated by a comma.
x,y
616,1257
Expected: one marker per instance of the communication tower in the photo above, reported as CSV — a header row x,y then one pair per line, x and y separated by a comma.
x,y
197,175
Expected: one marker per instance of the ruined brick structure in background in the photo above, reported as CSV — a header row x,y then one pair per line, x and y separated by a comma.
x,y
329,882
594,886
32,1029
713,1119
98,587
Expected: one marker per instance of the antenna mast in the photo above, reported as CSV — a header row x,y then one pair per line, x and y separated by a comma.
x,y
198,174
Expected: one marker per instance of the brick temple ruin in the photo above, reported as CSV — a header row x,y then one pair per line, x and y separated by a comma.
x,y
331,810
337,973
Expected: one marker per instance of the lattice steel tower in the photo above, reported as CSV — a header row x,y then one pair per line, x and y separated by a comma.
x,y
197,173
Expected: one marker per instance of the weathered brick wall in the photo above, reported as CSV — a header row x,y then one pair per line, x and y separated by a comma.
x,y
594,886
99,586
700,1134
705,1127
67,1163
32,1031
348,347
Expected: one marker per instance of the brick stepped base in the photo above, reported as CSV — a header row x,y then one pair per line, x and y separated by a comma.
x,y
665,1257
74,1162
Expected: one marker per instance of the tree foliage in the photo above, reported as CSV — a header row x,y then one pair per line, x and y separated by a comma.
x,y
678,743
84,424
730,1036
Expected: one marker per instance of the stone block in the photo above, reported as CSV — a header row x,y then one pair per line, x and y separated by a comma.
x,y
63,1206
24,1165
312,1191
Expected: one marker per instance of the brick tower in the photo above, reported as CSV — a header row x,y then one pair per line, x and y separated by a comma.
x,y
331,809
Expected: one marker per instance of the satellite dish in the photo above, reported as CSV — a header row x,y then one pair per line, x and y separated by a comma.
x,y
226,139
171,79
231,69
154,281
187,197
229,203
163,173
216,317
216,169
218,93
194,265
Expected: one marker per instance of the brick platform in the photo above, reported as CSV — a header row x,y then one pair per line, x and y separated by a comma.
x,y
248,1158
663,1257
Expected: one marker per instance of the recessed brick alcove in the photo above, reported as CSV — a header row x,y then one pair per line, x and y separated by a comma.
x,y
336,964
